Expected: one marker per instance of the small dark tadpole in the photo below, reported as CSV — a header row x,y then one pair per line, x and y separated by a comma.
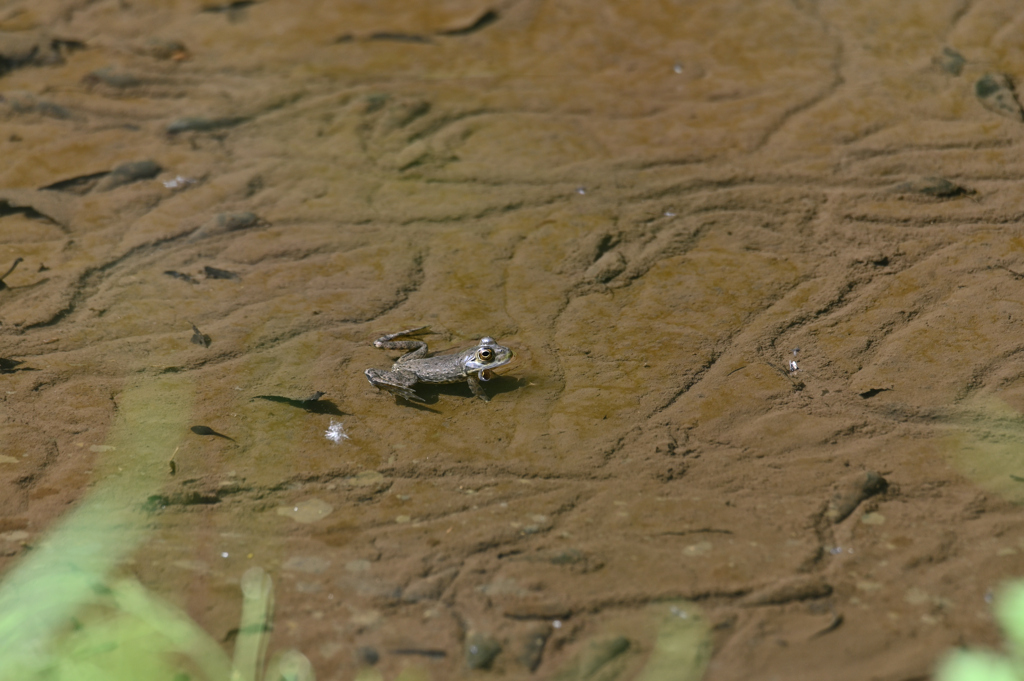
x,y
214,273
206,430
181,275
8,272
200,338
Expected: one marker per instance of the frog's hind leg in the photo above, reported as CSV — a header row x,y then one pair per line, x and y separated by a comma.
x,y
399,383
478,390
416,348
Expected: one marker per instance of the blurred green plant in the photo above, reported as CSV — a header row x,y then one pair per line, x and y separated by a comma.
x,y
983,665
62,617
121,632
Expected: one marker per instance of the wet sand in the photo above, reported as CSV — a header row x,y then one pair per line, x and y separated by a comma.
x,y
220,206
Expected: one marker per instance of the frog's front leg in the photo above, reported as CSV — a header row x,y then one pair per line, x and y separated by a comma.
x,y
417,348
398,382
478,390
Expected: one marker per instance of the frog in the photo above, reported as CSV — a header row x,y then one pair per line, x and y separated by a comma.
x,y
474,366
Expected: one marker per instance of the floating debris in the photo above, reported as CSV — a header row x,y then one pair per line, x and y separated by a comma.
x,y
336,432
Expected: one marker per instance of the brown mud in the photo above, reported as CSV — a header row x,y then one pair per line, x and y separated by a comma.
x,y
220,206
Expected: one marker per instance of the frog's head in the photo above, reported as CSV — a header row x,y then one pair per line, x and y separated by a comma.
x,y
486,357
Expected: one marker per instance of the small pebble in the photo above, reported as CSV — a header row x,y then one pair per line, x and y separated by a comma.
x,y
481,651
112,77
995,92
951,61
165,49
938,187
532,647
368,655
127,173
200,338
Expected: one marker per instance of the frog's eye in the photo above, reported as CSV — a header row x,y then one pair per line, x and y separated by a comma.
x,y
485,354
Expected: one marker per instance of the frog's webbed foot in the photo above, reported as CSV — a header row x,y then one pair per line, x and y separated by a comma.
x,y
398,383
478,390
416,348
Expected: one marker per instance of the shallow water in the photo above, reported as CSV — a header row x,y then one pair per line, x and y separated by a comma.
x,y
652,205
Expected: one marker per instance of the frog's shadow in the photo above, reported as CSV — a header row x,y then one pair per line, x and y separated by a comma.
x,y
431,392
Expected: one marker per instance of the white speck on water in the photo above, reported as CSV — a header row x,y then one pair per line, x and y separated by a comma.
x,y
336,432
581,190
678,68
669,214
178,182
224,555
